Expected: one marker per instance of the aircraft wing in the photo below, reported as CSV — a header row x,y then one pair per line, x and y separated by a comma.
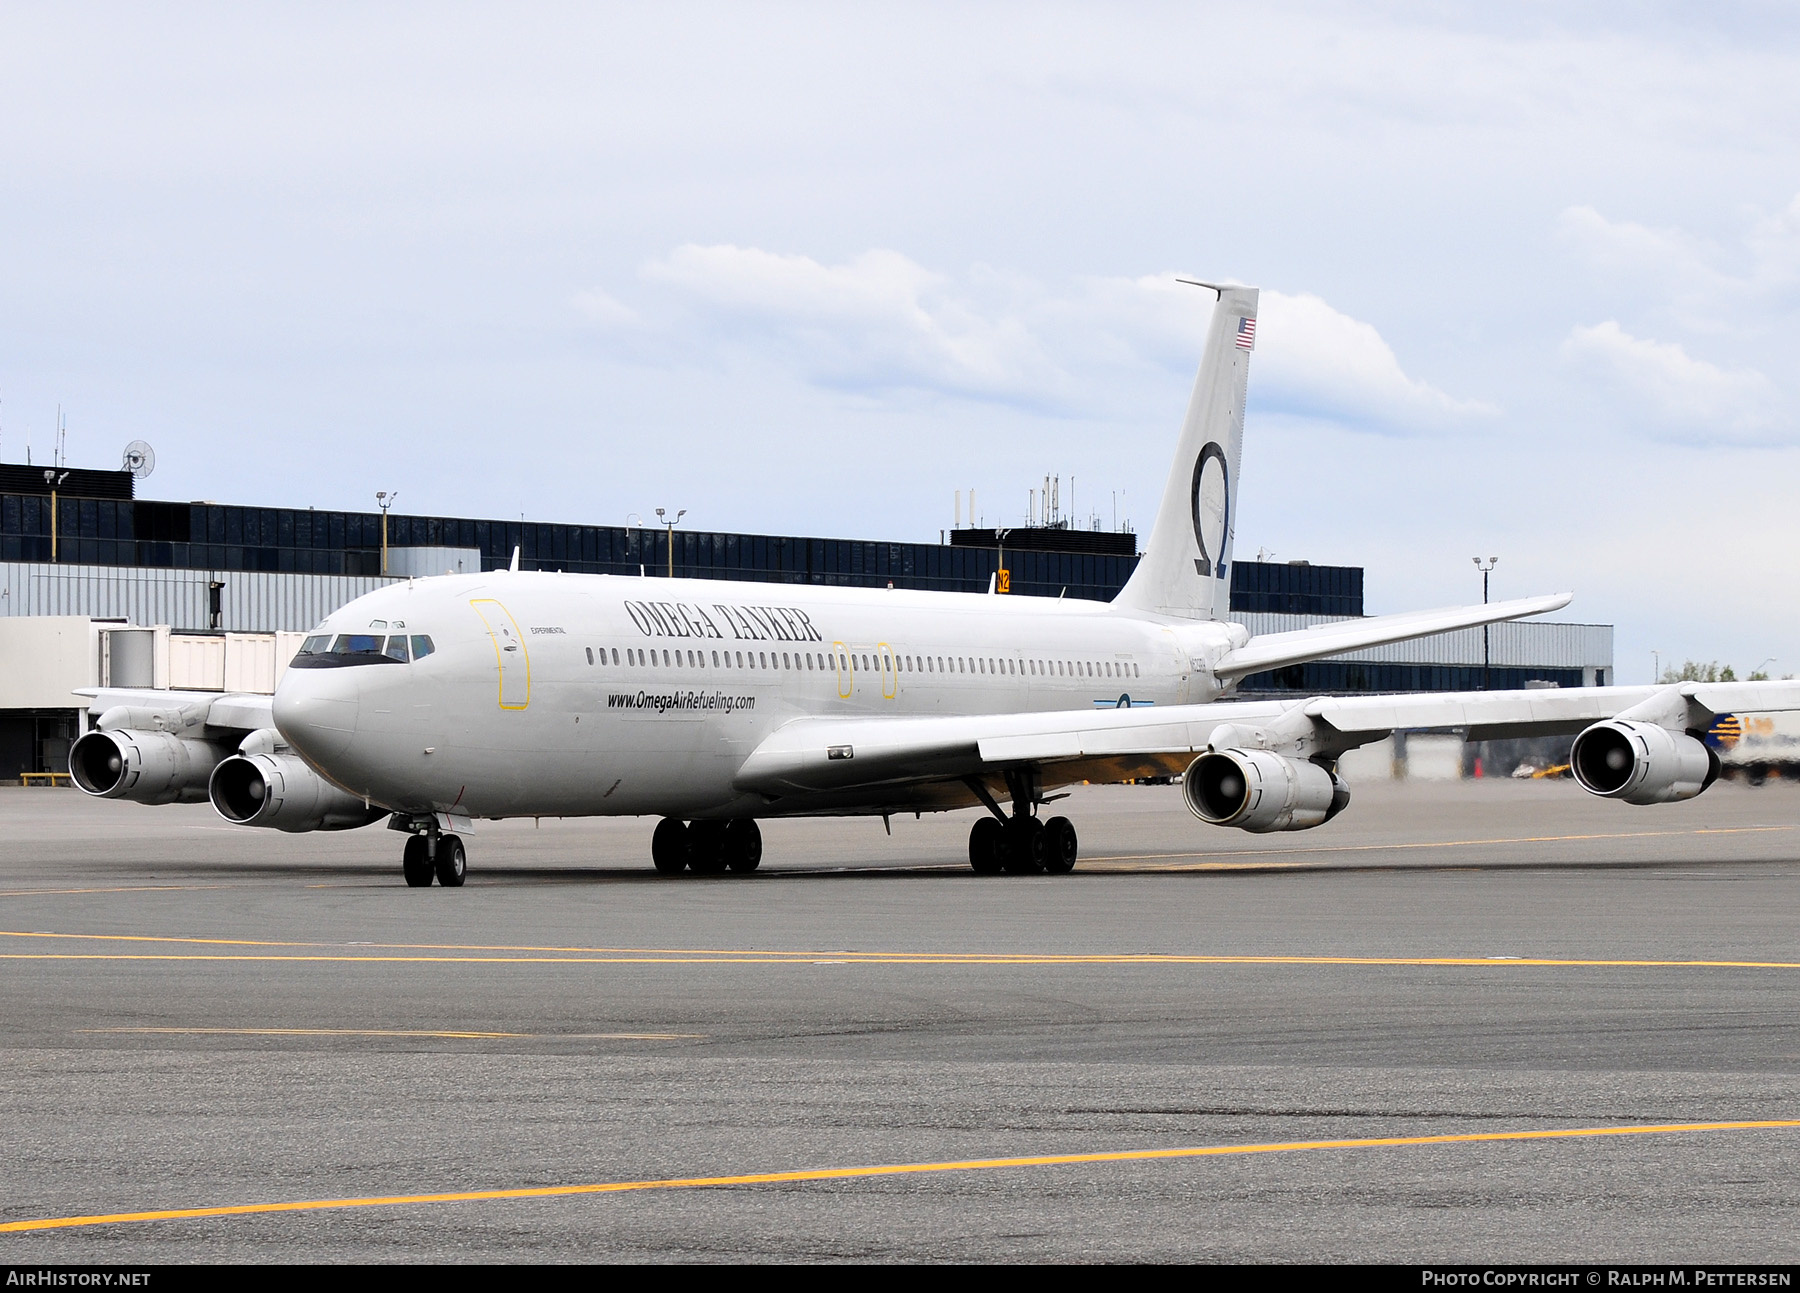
x,y
1549,711
1272,650
227,711
830,754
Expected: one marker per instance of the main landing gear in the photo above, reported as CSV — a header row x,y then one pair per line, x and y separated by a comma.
x,y
1020,844
706,847
431,854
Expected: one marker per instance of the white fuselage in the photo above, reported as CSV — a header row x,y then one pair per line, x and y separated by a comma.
x,y
573,695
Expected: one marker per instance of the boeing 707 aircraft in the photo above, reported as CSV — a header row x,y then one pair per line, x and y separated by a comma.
x,y
435,702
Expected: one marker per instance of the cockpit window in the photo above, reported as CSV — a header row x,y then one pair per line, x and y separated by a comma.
x,y
357,644
324,651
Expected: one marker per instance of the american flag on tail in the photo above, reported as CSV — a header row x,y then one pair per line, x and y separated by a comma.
x,y
1246,334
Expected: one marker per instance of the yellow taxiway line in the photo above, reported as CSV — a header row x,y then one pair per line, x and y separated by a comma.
x,y
1487,962
458,1034
863,1173
1429,844
500,954
129,888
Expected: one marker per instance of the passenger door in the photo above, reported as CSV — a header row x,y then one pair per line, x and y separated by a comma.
x,y
513,660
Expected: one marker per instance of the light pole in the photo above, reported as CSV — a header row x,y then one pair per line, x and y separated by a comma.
x,y
1487,660
663,517
384,500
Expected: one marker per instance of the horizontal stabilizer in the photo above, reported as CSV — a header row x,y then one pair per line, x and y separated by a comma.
x,y
1272,650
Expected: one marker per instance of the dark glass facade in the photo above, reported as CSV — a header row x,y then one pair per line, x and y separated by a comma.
x,y
1283,589
209,536
1325,677
215,537
205,536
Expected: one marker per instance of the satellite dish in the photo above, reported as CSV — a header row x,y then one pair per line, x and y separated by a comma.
x,y
140,459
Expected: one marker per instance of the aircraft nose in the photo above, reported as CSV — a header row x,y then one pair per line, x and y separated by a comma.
x,y
315,711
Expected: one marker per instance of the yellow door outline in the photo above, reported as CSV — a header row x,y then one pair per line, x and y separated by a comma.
x,y
846,673
890,670
503,628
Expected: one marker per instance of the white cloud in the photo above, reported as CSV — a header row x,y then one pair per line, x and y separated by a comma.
x,y
883,320
1775,243
1322,362
1311,359
1624,246
604,308
879,320
1713,286
1692,398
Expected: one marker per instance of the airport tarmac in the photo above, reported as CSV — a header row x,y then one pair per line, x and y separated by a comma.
x,y
1364,1042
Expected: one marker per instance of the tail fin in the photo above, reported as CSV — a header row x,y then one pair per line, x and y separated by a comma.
x,y
1186,569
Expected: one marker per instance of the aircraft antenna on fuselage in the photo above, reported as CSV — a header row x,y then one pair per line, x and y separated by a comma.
x,y
515,561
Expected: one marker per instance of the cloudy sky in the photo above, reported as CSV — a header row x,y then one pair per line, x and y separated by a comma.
x,y
1531,279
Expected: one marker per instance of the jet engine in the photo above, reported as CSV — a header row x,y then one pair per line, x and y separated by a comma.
x,y
146,767
1260,791
281,792
1641,763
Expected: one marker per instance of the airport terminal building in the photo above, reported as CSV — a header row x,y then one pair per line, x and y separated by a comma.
x,y
99,587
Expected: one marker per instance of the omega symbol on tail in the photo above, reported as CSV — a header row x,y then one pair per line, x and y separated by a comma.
x,y
1212,510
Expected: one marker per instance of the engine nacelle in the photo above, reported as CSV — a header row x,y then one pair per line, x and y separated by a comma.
x,y
144,767
1260,791
280,792
1641,763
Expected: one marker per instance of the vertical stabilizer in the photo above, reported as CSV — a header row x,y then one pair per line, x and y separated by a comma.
x,y
1186,568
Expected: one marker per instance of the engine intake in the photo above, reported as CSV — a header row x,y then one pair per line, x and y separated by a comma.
x,y
282,793
1260,791
144,767
1641,763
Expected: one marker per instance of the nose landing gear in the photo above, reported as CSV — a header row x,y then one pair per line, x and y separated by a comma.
x,y
416,863
452,863
430,854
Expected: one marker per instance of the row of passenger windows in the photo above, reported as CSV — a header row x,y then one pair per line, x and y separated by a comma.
x,y
850,661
